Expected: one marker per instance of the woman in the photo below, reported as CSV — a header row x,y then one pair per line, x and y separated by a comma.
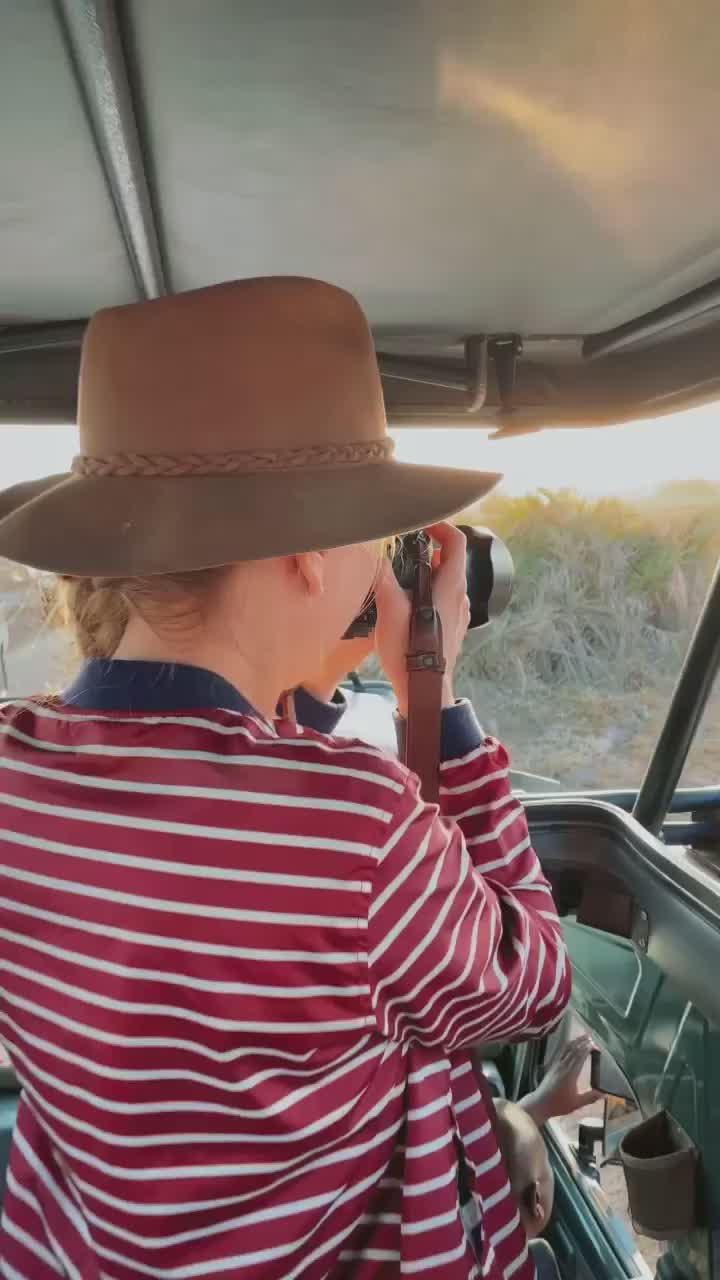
x,y
241,961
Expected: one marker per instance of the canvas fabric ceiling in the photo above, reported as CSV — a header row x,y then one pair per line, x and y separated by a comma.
x,y
462,166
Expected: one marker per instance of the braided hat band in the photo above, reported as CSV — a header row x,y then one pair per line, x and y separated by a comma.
x,y
243,461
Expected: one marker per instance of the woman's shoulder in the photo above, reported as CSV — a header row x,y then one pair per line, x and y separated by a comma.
x,y
338,752
198,740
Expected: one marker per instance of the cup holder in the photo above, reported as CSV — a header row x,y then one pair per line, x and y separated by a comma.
x,y
662,1176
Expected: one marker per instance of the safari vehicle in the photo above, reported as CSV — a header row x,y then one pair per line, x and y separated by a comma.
x,y
524,197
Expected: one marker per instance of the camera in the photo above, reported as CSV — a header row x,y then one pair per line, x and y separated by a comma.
x,y
489,574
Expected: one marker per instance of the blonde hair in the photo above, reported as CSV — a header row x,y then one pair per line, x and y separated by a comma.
x,y
97,610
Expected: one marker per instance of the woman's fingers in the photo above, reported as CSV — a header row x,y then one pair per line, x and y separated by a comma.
x,y
587,1099
452,544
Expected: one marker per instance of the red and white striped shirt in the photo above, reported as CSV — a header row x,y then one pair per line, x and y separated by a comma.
x,y
240,965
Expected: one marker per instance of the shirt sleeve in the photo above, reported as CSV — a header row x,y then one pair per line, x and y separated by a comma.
x,y
465,943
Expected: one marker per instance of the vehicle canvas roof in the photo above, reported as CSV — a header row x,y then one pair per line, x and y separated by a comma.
x,y
511,190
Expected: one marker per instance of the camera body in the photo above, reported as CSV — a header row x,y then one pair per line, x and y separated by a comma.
x,y
489,573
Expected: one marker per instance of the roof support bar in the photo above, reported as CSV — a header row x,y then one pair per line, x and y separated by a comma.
x,y
41,337
686,708
92,35
470,378
687,307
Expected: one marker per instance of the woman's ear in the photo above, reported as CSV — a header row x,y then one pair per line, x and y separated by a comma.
x,y
310,567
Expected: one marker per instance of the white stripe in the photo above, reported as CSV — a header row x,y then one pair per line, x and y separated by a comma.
x,y
515,1266
508,1016
188,1139
32,1246
189,870
258,760
473,1101
65,1205
178,1011
511,1012
101,1103
31,1201
462,1070
9,1272
409,1023
418,1150
533,880
488,836
170,978
416,904
489,1202
195,909
282,1073
370,1255
269,739
326,1247
432,1069
429,1224
275,955
436,1260
325,1157
67,713
506,859
438,1032
429,1108
474,785
418,1017
487,1165
478,809
134,786
481,1132
498,1236
332,1199
407,868
484,749
561,964
167,1042
431,1184
234,834
178,1208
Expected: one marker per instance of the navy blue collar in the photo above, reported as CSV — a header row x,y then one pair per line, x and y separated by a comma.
x,y
122,685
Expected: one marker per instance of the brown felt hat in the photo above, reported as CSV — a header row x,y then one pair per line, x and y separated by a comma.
x,y
236,422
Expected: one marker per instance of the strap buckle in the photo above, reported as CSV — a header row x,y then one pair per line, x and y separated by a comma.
x,y
426,662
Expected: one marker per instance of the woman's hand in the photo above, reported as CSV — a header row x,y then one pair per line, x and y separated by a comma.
x,y
450,600
347,656
560,1092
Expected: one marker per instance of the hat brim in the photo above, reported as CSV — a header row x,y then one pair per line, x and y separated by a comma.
x,y
119,526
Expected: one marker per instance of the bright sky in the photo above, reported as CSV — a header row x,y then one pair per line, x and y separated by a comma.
x,y
633,458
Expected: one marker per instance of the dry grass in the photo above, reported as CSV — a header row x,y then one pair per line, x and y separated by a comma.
x,y
577,674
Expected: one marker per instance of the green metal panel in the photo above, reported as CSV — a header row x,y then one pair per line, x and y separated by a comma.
x,y
667,1048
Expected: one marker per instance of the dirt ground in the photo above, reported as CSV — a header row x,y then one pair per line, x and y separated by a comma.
x,y
592,738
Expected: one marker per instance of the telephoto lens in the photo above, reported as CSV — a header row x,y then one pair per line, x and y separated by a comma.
x,y
489,572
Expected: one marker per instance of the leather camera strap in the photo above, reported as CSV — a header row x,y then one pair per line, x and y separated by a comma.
x,y
426,668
